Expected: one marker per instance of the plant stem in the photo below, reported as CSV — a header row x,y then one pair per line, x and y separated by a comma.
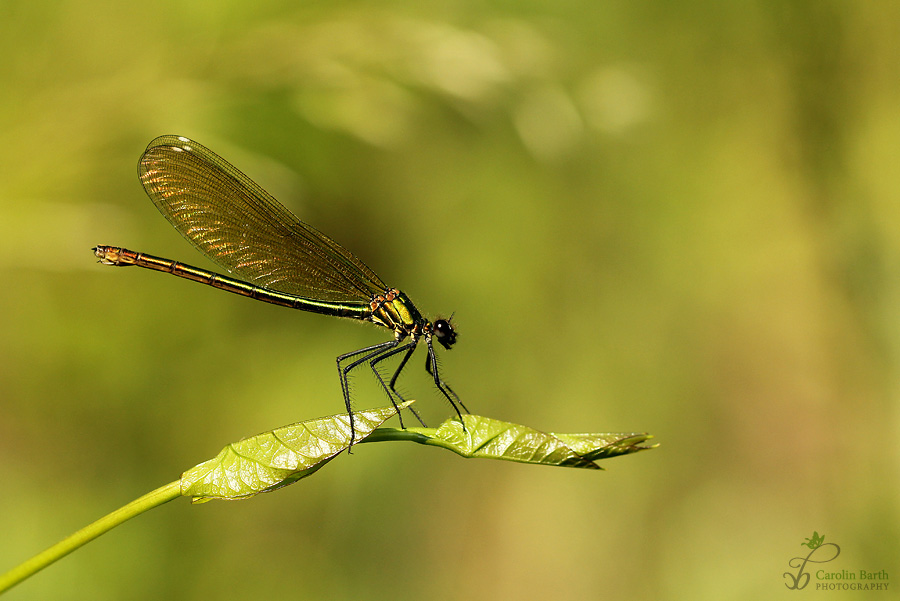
x,y
161,495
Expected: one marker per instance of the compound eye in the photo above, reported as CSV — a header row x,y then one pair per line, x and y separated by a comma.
x,y
444,333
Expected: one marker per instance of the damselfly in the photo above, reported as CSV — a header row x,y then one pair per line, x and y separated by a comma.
x,y
278,259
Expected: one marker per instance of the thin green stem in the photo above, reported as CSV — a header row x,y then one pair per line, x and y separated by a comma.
x,y
161,495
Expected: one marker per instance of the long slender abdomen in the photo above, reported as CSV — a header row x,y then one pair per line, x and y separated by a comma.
x,y
122,257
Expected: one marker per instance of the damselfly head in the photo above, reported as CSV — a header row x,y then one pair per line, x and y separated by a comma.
x,y
444,332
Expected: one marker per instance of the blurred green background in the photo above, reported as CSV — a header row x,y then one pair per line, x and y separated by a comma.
x,y
644,217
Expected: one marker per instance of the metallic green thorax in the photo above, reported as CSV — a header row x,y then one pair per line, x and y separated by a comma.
x,y
394,310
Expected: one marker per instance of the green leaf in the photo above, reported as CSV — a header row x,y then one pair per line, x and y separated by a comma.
x,y
488,438
274,459
268,461
602,446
